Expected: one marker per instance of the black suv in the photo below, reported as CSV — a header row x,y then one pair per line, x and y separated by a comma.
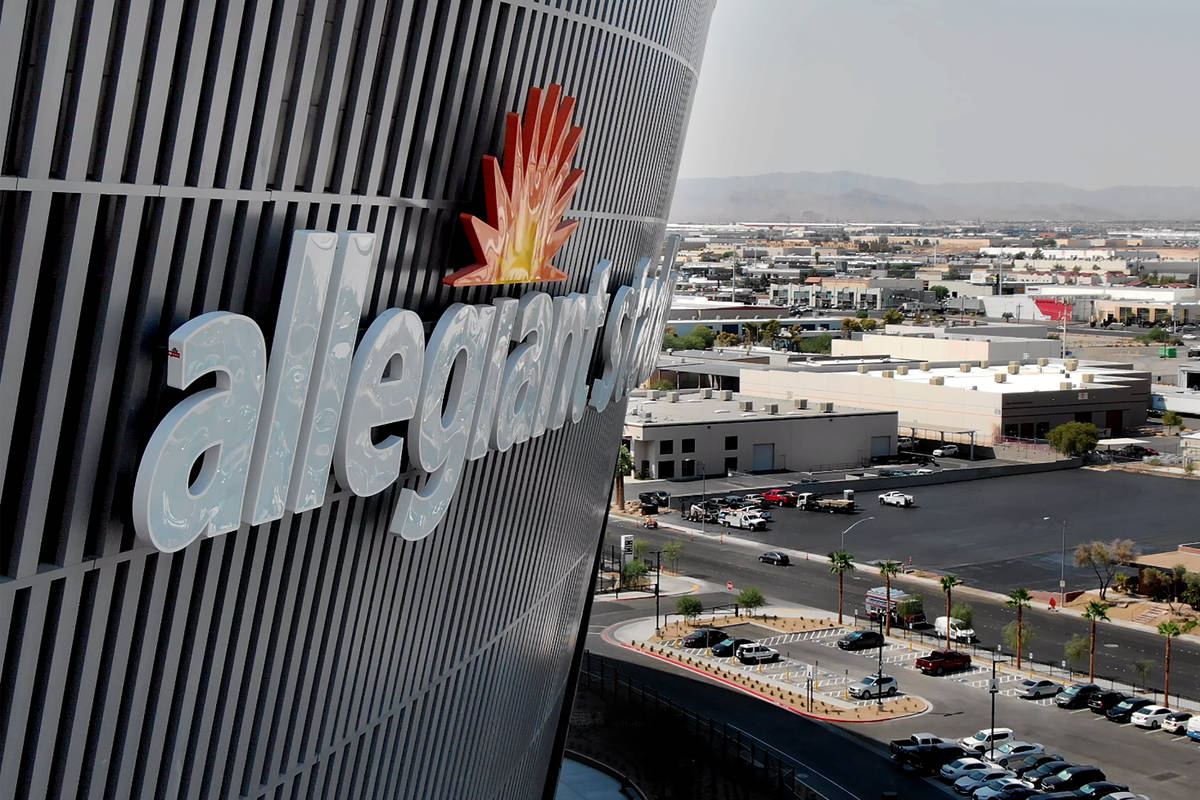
x,y
1076,695
1071,778
705,637
655,498
727,647
1123,710
1101,702
860,640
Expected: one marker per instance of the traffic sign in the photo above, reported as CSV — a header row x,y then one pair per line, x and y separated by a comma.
x,y
729,586
994,686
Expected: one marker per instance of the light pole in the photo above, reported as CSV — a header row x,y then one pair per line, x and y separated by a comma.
x,y
879,670
657,584
1062,565
994,689
850,528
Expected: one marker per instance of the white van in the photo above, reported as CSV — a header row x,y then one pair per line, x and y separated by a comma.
x,y
1193,728
958,631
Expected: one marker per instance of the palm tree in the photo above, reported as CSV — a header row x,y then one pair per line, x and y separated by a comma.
x,y
624,467
1020,599
840,563
1171,630
948,583
1095,612
887,569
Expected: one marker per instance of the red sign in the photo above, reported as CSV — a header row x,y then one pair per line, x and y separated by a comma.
x,y
729,585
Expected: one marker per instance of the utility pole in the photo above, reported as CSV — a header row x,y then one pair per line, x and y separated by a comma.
x,y
657,586
879,671
993,690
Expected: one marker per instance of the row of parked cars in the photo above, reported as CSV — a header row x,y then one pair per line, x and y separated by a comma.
x,y
993,764
1120,707
722,645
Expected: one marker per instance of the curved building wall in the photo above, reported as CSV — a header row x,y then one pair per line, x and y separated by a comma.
x,y
157,156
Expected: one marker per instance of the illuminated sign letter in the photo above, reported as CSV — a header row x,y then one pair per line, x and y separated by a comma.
x,y
385,379
520,389
301,307
441,429
505,314
217,425
562,362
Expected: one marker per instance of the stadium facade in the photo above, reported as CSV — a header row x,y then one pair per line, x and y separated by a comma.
x,y
303,484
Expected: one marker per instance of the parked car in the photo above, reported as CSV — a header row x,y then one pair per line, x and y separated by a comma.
x,y
780,497
874,686
927,759
1149,716
975,778
1193,728
895,498
981,740
1031,762
1126,796
1076,695
946,450
756,653
1033,688
1071,778
1175,722
991,789
1009,752
1100,789
1101,702
1045,770
704,637
860,640
1124,710
727,647
775,557
959,767
939,662
655,498
1016,792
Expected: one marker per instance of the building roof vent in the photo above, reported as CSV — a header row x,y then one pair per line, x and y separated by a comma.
x,y
801,402
652,394
706,394
672,397
983,365
925,366
902,369
1001,377
746,405
1065,386
964,367
1087,377
771,408
826,408
1043,362
1014,369
1072,364
862,369
887,373
724,394
937,380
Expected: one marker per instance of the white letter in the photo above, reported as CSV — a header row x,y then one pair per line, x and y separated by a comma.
x,y
373,400
597,305
169,510
562,362
504,314
523,372
453,368
301,307
617,332
335,349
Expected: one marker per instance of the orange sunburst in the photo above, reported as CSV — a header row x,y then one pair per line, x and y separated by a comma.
x,y
527,199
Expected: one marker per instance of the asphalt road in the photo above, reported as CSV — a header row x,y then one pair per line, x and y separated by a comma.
x,y
991,533
810,583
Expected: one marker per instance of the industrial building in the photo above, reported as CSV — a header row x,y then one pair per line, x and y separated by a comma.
x,y
945,345
688,434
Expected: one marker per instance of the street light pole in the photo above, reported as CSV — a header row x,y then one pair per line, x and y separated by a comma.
x,y
1062,564
657,586
842,547
994,689
879,672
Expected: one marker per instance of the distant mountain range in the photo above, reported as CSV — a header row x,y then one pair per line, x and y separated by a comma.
x,y
850,196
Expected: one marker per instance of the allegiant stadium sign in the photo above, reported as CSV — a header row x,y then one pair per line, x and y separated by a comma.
x,y
488,377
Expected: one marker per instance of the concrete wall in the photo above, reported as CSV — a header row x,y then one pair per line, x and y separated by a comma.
x,y
801,443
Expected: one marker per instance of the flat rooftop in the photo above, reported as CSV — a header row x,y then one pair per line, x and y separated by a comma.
x,y
1029,378
691,409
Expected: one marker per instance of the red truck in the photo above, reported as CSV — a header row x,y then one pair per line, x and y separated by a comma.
x,y
780,497
939,662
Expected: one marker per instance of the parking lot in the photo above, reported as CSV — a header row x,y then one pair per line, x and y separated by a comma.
x,y
991,533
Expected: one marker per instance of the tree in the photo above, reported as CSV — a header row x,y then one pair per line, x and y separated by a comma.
x,y
688,607
1095,612
1007,316
661,385
1141,671
1172,419
948,583
1022,632
1191,591
770,330
1075,649
1074,438
941,291
886,570
1170,630
840,563
624,467
821,343
673,550
751,598
1104,559
641,548
861,314
633,572
751,332
1020,599
892,317
963,613
868,324
726,339
1155,584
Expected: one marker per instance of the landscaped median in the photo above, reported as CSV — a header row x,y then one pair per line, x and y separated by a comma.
x,y
785,683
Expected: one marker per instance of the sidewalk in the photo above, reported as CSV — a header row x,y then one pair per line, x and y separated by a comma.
x,y
669,586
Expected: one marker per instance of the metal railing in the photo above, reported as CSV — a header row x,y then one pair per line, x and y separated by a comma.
x,y
776,773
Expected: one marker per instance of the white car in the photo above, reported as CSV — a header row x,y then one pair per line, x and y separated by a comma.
x,y
946,450
895,498
1032,689
995,786
956,769
1126,796
1008,752
984,738
755,653
1149,717
874,686
971,781
1175,722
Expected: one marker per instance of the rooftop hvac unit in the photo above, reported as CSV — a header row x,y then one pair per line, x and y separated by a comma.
x,y
902,369
801,402
887,373
746,405
1087,377
1072,364
706,394
964,367
983,365
1001,377
771,408
1065,386
924,366
652,394
672,397
1014,369
862,369
1043,362
724,394
937,380
826,408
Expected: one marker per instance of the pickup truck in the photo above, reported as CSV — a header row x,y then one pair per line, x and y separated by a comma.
x,y
928,759
839,505
940,662
746,520
894,498
780,497
918,740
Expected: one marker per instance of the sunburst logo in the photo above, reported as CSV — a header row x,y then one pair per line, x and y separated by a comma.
x,y
526,199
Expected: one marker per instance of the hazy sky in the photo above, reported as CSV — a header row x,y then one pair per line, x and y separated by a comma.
x,y
1090,93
